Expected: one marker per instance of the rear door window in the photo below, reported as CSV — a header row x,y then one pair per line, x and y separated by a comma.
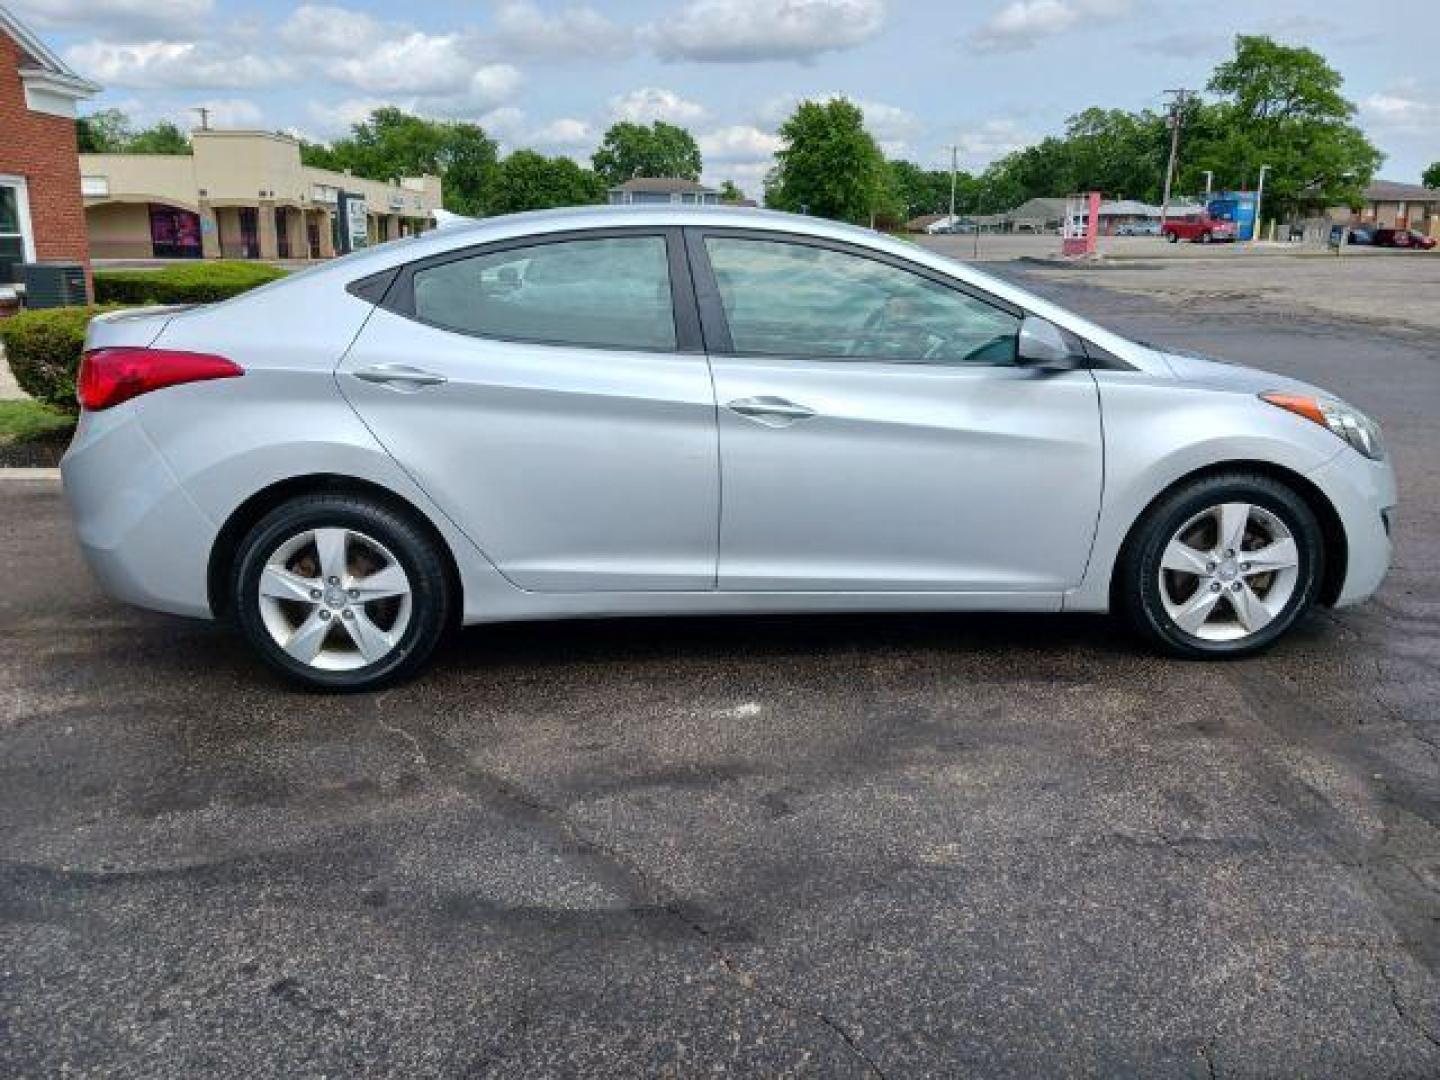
x,y
607,292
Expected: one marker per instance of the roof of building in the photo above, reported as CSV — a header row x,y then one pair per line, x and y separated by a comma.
x,y
1044,207
41,60
1390,191
1128,208
919,224
664,185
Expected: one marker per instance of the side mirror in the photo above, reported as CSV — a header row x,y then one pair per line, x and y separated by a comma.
x,y
1042,345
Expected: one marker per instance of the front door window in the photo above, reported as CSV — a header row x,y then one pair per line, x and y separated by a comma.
x,y
791,299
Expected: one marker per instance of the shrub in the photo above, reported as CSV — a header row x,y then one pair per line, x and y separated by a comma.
x,y
43,350
193,283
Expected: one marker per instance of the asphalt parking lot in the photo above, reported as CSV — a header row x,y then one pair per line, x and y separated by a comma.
x,y
843,846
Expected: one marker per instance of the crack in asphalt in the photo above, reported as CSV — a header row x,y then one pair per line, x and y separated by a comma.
x,y
1399,1006
452,760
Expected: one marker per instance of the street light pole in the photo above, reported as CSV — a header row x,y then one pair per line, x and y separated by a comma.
x,y
1259,199
954,155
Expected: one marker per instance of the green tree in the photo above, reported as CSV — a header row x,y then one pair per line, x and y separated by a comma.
x,y
162,138
393,143
530,181
104,132
660,149
1282,106
109,132
730,192
829,165
927,191
1431,176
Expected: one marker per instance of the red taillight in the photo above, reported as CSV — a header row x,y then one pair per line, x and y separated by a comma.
x,y
110,376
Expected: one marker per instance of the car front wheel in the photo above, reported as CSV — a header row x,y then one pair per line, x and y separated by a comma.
x,y
1221,567
340,592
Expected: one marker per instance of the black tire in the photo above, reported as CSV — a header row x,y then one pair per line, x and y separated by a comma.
x,y
1137,587
1205,238
1174,238
424,565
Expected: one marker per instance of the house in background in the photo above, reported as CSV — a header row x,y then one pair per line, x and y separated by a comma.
x,y
41,215
242,195
661,189
1400,206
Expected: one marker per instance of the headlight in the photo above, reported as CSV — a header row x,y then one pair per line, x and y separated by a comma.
x,y
1344,420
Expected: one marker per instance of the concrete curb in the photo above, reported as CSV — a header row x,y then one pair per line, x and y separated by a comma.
x,y
8,473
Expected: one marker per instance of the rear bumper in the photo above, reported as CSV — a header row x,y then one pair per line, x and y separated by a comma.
x,y
144,539
1363,494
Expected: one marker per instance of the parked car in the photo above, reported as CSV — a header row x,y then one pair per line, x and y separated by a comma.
x,y
534,417
1402,238
1198,227
1359,236
1139,228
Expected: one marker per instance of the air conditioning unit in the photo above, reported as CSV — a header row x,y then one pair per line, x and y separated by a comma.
x,y
52,284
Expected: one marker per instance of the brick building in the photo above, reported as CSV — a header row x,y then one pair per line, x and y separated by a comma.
x,y
41,213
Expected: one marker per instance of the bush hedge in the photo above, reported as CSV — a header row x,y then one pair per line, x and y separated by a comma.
x,y
43,350
192,283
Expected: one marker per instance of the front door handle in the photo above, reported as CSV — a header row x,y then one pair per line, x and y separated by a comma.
x,y
399,376
770,411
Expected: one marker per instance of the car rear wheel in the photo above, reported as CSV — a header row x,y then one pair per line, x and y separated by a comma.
x,y
1221,567
1174,238
340,592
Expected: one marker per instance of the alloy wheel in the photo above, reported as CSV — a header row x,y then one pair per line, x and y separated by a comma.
x,y
334,599
1228,572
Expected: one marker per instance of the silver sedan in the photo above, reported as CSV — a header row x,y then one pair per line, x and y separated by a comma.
x,y
645,411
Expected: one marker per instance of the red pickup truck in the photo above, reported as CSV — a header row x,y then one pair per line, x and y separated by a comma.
x,y
1199,227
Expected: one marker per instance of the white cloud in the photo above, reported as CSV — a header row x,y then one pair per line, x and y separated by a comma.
x,y
1401,112
415,63
738,143
224,113
522,29
742,31
1021,24
992,139
113,18
651,103
507,123
330,30
336,119
159,64
566,131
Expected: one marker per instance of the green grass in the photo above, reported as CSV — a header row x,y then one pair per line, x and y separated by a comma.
x,y
26,419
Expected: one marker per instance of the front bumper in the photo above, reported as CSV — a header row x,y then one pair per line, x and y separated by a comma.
x,y
1364,495
144,539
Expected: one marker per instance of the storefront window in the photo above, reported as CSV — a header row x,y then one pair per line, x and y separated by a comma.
x,y
174,233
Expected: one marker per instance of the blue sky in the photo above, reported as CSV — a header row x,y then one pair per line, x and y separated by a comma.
x,y
988,75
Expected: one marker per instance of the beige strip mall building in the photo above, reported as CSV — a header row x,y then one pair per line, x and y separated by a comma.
x,y
242,195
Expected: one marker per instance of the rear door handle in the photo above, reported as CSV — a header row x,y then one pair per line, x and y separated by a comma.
x,y
770,411
399,376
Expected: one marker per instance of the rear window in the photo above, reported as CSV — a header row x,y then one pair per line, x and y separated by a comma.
x,y
607,292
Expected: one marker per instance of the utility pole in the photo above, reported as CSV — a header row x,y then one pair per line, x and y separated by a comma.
x,y
1209,182
204,112
1177,109
1259,197
954,158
